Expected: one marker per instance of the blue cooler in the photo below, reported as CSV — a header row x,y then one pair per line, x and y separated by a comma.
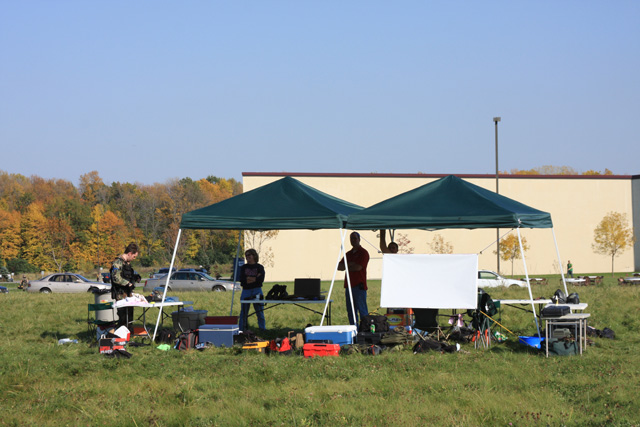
x,y
337,334
218,335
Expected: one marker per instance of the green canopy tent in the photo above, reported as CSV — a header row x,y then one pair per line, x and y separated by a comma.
x,y
451,202
285,204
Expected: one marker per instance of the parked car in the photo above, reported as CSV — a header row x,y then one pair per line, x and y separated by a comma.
x,y
190,281
201,270
161,272
491,279
106,277
64,283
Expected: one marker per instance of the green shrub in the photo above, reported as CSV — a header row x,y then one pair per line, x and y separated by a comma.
x,y
17,265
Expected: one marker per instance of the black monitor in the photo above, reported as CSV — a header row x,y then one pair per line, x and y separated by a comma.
x,y
306,288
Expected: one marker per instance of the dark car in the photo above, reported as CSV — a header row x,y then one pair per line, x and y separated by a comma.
x,y
106,277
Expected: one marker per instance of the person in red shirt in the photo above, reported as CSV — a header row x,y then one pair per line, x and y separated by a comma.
x,y
357,260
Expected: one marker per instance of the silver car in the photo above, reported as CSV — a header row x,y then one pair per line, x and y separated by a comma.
x,y
64,283
190,281
491,279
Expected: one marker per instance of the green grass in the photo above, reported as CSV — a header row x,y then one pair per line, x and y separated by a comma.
x,y
42,383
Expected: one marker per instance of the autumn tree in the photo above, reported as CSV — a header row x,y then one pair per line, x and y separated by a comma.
x,y
93,189
58,237
107,237
10,234
612,236
440,246
510,249
152,199
33,229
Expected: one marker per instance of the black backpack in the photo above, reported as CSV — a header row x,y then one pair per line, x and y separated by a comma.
x,y
573,298
187,340
559,297
166,336
277,292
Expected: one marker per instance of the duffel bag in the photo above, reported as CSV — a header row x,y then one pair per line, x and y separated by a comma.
x,y
562,347
379,322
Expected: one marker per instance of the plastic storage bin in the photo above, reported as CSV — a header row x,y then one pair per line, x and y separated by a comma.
x,y
188,320
338,334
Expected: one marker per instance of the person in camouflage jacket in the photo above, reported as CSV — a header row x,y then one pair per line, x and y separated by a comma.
x,y
123,281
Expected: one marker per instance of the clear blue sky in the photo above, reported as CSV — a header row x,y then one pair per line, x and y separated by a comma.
x,y
145,91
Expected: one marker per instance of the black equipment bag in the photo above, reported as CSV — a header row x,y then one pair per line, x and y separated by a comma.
x,y
381,323
555,311
562,347
372,338
573,298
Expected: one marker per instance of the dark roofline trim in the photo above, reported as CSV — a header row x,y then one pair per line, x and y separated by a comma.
x,y
428,175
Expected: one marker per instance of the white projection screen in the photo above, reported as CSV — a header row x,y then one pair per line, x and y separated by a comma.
x,y
429,281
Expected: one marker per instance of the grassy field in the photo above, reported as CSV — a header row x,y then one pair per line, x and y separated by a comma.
x,y
43,383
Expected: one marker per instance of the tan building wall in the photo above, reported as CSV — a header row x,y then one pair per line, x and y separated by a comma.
x,y
576,204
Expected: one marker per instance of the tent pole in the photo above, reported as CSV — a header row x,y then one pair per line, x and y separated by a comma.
x,y
526,274
560,261
333,279
166,283
235,273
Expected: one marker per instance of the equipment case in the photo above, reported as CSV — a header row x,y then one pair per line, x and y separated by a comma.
x,y
321,350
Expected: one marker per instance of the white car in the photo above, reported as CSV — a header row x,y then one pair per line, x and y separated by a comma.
x,y
190,281
491,279
64,283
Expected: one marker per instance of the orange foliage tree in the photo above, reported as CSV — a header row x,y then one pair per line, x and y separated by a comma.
x,y
10,234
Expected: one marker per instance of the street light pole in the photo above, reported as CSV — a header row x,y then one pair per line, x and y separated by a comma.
x,y
495,121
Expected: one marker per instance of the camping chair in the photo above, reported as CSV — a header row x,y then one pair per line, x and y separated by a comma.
x,y
426,320
480,320
101,314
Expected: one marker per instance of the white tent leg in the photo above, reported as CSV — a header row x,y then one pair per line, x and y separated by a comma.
x,y
526,273
235,273
560,261
166,284
335,271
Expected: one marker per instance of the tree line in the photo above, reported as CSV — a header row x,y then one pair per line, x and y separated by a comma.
x,y
52,225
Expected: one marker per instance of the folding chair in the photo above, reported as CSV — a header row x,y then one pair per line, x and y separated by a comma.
x,y
101,314
426,320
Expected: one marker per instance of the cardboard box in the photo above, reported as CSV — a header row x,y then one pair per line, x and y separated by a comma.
x,y
338,334
321,350
218,335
